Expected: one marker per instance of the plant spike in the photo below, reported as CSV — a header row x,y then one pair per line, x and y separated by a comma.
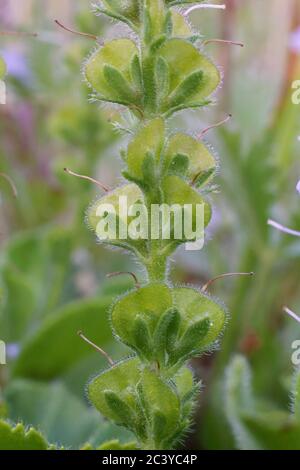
x,y
153,392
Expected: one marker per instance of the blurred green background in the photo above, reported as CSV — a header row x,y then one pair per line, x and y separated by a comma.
x,y
52,271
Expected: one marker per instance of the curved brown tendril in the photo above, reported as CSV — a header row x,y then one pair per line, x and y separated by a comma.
x,y
11,183
120,273
69,30
222,41
98,349
213,126
211,281
88,178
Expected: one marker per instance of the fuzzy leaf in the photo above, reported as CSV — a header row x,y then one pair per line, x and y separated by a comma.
x,y
163,402
149,139
18,438
117,445
191,341
165,331
117,81
184,60
49,342
149,303
200,159
177,191
51,408
128,9
156,12
118,55
120,380
196,307
131,192
180,27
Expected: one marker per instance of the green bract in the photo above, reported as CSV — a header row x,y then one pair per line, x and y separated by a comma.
x,y
167,325
159,73
137,398
110,72
174,76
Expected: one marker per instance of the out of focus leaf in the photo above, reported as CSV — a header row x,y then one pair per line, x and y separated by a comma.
x,y
63,418
257,428
56,347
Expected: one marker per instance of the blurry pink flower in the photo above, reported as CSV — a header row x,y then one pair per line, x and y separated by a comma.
x,y
294,42
298,187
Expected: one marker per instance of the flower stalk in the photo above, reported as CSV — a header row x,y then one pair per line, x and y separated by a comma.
x,y
161,72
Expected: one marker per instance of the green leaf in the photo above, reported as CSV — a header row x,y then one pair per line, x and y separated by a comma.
x,y
162,78
122,413
118,55
166,332
191,342
131,192
18,438
186,90
253,427
148,303
156,12
296,396
150,138
141,337
179,165
51,408
196,307
180,26
117,445
117,81
120,380
33,274
136,73
177,191
200,159
162,402
45,355
184,62
129,9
